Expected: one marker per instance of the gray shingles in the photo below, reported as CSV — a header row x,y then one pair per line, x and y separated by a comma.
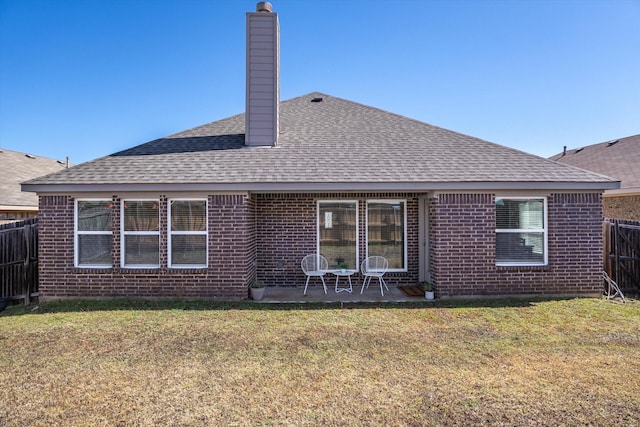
x,y
620,160
333,141
16,167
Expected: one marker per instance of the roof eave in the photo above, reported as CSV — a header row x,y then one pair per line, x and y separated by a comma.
x,y
324,187
21,208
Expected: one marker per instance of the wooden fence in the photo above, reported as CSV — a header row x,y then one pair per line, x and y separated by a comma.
x,y
622,253
19,260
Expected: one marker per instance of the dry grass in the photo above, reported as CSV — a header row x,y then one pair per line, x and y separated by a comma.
x,y
566,362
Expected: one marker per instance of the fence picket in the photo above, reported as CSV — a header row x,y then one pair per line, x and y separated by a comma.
x,y
19,260
621,253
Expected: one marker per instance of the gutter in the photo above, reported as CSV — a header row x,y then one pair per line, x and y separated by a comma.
x,y
305,187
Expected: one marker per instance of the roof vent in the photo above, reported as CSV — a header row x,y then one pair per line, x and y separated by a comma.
x,y
579,150
264,6
30,156
610,143
318,99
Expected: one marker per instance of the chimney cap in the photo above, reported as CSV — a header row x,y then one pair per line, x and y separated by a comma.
x,y
264,6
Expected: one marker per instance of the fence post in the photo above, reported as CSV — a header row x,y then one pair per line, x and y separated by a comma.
x,y
617,249
26,288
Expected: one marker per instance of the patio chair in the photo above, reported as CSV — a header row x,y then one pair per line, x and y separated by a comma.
x,y
374,266
315,266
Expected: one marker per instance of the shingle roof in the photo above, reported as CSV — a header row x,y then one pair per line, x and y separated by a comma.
x,y
16,167
322,145
619,158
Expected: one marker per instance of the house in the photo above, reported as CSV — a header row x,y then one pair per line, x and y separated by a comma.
x,y
201,213
16,167
619,158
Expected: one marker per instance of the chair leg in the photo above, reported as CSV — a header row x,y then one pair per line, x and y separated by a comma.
x,y
307,284
324,285
365,283
382,282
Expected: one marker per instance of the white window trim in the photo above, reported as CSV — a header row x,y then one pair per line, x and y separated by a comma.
x,y
77,233
123,233
357,266
404,269
544,230
170,234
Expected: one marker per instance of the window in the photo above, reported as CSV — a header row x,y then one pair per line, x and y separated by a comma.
x,y
387,232
93,236
187,233
140,234
338,233
521,235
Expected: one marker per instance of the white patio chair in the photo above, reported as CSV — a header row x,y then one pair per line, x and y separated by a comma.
x,y
315,266
374,266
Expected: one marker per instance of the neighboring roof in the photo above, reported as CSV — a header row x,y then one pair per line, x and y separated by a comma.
x,y
17,167
334,144
619,158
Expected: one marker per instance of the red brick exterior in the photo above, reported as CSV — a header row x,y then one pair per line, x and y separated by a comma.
x,y
462,239
231,256
268,234
625,207
287,231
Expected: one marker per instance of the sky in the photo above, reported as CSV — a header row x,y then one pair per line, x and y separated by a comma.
x,y
87,78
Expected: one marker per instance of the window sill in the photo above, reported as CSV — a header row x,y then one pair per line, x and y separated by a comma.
x,y
187,267
93,267
523,267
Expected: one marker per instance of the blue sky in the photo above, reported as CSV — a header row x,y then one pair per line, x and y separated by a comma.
x,y
87,78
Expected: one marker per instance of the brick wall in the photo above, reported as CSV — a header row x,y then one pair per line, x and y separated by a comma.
x,y
231,255
287,231
625,207
267,235
462,243
462,257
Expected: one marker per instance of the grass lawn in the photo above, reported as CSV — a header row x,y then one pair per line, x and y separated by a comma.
x,y
489,362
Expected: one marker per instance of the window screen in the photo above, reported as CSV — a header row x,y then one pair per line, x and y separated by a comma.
x,y
188,233
93,233
141,235
386,231
520,231
338,233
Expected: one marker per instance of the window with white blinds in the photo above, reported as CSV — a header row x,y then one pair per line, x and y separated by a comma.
x,y
521,231
187,233
140,234
93,233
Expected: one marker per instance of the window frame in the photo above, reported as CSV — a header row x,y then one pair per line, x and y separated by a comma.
x,y
171,233
357,227
77,233
123,234
544,230
404,268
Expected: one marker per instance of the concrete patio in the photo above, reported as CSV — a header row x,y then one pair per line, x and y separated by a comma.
x,y
315,293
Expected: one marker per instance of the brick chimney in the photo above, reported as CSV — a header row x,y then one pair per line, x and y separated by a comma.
x,y
262,115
